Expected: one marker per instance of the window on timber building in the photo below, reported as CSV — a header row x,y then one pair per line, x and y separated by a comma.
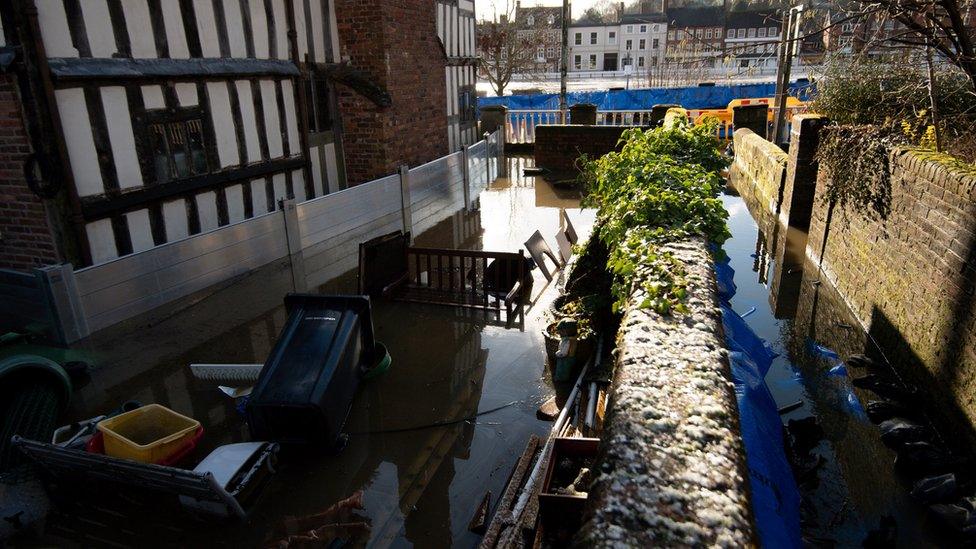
x,y
578,61
466,104
319,98
178,144
579,39
592,38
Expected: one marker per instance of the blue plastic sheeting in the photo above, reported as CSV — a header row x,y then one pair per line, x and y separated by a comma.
x,y
843,397
693,97
816,349
725,279
775,497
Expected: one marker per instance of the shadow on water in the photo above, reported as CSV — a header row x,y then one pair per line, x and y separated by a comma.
x,y
422,484
848,481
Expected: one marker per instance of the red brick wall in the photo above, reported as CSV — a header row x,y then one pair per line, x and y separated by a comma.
x,y
558,146
26,239
910,277
396,44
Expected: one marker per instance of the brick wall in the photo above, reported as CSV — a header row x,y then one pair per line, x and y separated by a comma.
x,y
26,239
801,171
759,170
910,278
558,146
396,44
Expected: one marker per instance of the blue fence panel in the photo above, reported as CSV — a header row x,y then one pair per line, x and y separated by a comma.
x,y
692,97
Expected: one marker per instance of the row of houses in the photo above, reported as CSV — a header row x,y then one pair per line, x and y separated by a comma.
x,y
726,35
654,36
127,124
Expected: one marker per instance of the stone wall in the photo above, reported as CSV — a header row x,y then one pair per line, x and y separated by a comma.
x,y
396,45
558,146
26,237
910,277
673,466
759,170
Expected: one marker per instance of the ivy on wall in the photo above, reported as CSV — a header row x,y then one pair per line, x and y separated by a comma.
x,y
661,187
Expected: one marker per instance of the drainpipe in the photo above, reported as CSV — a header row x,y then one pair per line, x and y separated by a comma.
x,y
56,134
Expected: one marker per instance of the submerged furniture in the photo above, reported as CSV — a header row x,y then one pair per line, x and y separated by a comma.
x,y
308,382
539,250
495,282
224,484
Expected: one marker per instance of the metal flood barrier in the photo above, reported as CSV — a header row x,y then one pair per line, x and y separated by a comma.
x,y
319,237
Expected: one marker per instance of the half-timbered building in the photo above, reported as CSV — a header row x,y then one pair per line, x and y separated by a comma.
x,y
456,30
154,120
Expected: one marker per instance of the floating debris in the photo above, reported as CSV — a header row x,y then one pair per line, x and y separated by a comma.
x,y
479,522
897,432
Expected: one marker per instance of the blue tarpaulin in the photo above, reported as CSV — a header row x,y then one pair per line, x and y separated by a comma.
x,y
692,97
775,497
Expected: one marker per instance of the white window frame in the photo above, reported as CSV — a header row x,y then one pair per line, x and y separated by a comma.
x,y
578,61
612,38
751,33
592,61
640,61
594,38
630,29
740,33
629,45
762,32
578,39
708,34
642,44
643,29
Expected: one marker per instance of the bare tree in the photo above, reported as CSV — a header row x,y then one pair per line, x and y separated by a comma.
x,y
506,52
943,25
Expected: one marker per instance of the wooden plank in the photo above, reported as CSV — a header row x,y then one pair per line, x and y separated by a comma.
x,y
515,483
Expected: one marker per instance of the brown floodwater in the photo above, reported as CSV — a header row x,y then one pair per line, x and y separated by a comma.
x,y
421,485
854,495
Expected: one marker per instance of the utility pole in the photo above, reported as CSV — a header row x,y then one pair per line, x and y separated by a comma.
x,y
564,62
788,47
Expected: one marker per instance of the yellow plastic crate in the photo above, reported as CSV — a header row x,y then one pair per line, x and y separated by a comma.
x,y
149,434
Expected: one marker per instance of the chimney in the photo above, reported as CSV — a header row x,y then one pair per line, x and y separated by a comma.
x,y
620,10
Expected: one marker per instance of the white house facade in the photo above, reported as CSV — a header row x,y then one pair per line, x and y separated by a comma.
x,y
634,43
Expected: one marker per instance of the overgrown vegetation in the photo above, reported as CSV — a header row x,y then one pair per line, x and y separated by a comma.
x,y
661,187
877,107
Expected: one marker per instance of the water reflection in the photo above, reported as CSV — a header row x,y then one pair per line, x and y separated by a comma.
x,y
422,484
850,484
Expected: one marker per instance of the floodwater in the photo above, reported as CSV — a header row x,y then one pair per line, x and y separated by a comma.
x,y
855,489
421,484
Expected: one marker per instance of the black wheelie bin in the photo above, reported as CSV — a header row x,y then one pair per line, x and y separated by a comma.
x,y
307,385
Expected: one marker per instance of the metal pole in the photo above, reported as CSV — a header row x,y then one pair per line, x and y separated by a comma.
x,y
791,26
564,61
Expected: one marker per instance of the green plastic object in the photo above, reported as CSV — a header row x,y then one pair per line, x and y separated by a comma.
x,y
43,366
35,390
380,366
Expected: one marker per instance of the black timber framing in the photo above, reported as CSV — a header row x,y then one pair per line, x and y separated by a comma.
x,y
71,70
99,207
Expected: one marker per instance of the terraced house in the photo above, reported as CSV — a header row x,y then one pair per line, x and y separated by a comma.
x,y
132,123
